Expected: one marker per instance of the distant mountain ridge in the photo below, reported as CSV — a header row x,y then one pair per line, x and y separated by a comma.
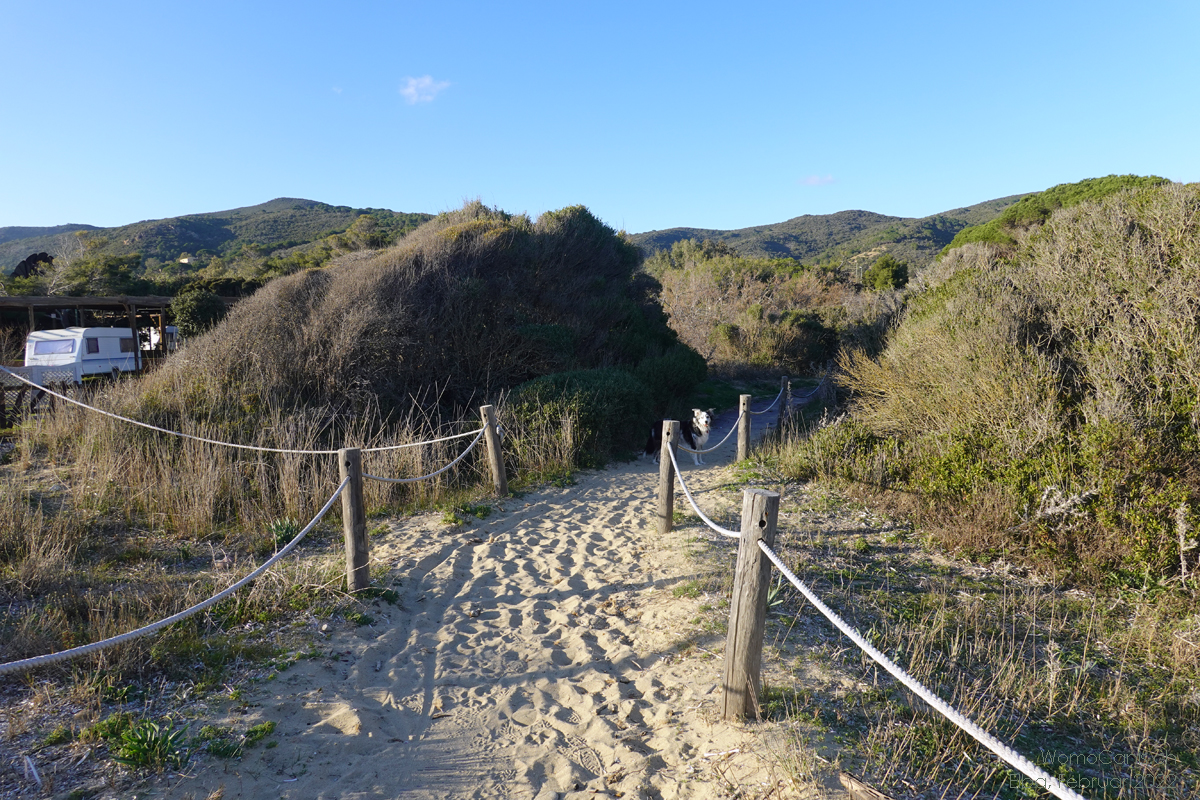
x,y
288,222
17,232
820,238
279,223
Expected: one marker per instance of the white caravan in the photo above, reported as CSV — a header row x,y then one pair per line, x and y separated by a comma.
x,y
83,351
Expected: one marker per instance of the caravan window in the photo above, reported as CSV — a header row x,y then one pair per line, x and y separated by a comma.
x,y
127,345
93,344
57,347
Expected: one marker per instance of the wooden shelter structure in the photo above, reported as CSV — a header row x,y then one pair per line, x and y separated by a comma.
x,y
40,313
118,311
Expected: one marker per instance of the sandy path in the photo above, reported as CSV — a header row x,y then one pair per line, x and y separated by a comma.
x,y
533,655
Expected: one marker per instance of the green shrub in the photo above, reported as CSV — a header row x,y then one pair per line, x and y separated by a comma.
x,y
671,376
886,273
196,311
608,409
148,744
1036,208
1056,384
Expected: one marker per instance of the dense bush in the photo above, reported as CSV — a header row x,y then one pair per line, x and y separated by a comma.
x,y
758,314
473,302
1037,208
599,412
886,273
197,310
1059,382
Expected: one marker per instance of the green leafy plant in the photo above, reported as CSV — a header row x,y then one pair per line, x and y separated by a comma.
x,y
283,530
60,735
259,732
775,594
148,744
220,742
109,729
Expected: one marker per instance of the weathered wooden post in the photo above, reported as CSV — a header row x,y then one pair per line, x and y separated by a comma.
x,y
743,427
666,476
354,520
784,402
495,457
748,607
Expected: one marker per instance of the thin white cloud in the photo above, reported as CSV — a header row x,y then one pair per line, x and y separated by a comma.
x,y
817,180
422,89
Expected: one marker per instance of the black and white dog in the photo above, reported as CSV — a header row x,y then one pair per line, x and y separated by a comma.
x,y
694,433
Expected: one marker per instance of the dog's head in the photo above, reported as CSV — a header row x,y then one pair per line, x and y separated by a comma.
x,y
702,420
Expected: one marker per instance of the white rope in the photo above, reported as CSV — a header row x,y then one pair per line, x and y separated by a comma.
x,y
226,444
418,444
814,390
1031,770
50,658
687,449
688,495
773,402
166,431
461,456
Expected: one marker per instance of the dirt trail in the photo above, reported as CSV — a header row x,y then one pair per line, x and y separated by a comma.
x,y
532,655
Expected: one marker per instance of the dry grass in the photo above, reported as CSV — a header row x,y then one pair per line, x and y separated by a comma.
x,y
1063,676
1091,689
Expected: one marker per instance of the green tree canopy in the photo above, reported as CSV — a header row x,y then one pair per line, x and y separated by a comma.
x,y
886,273
197,310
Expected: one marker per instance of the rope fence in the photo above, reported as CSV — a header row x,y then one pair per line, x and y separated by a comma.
x,y
741,682
461,456
732,431
75,652
217,442
773,402
354,528
696,508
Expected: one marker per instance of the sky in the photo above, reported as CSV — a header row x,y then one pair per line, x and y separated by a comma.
x,y
653,115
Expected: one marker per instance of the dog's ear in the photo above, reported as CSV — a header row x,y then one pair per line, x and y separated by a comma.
x,y
712,411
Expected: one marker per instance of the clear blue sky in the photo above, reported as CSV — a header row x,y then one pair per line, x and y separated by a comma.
x,y
653,115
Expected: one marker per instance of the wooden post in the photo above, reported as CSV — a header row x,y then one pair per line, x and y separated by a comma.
x,y
495,457
748,607
354,520
137,345
783,405
666,476
743,427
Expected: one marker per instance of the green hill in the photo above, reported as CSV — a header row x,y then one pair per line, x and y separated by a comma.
x,y
824,238
18,232
1036,208
280,224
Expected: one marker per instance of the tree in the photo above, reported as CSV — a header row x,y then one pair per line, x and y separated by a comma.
x,y
197,310
886,273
